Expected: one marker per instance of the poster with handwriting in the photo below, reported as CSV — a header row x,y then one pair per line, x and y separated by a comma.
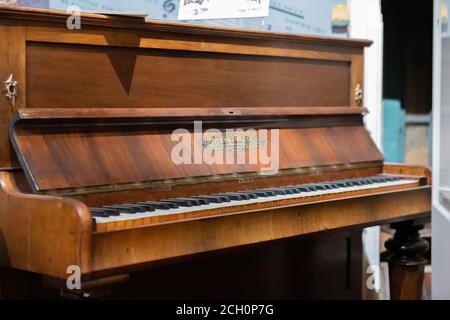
x,y
221,9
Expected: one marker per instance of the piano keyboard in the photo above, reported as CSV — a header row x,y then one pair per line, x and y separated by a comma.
x,y
133,211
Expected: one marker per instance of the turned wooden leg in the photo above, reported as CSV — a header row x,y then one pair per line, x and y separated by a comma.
x,y
406,261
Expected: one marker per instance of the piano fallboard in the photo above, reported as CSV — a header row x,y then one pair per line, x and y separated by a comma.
x,y
81,151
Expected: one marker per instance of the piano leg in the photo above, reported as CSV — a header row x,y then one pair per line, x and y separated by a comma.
x,y
91,289
406,261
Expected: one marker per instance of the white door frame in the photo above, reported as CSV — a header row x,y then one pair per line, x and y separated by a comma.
x,y
441,216
367,23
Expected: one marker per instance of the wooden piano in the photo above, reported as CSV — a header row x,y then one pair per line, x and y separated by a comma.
x,y
88,180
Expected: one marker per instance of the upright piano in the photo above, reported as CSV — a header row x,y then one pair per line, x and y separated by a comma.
x,y
94,182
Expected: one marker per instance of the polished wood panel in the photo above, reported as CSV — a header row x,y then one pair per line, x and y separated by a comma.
x,y
96,198
98,114
12,50
409,170
58,159
188,42
407,282
27,28
113,77
325,266
34,229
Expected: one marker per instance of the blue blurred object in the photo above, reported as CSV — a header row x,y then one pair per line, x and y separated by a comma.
x,y
394,131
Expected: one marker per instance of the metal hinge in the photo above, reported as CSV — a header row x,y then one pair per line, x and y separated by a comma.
x,y
359,95
10,88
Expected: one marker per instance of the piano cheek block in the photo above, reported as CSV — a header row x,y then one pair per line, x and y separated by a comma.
x,y
57,229
87,177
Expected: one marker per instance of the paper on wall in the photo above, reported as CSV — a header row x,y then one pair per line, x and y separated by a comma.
x,y
222,9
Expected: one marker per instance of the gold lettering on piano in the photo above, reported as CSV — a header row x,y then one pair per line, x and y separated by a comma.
x,y
233,143
254,147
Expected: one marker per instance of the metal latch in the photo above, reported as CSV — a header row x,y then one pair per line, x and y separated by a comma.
x,y
11,89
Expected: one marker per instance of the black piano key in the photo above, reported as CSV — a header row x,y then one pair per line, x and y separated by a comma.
x,y
390,178
246,196
250,194
110,212
181,203
120,209
159,205
127,208
235,196
341,184
355,183
201,201
328,185
310,188
214,199
99,214
139,207
291,190
284,190
279,191
303,189
195,201
264,193
104,213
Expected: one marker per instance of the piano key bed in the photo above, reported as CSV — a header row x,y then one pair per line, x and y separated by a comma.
x,y
127,215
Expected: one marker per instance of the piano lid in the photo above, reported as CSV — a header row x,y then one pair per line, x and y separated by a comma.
x,y
79,149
